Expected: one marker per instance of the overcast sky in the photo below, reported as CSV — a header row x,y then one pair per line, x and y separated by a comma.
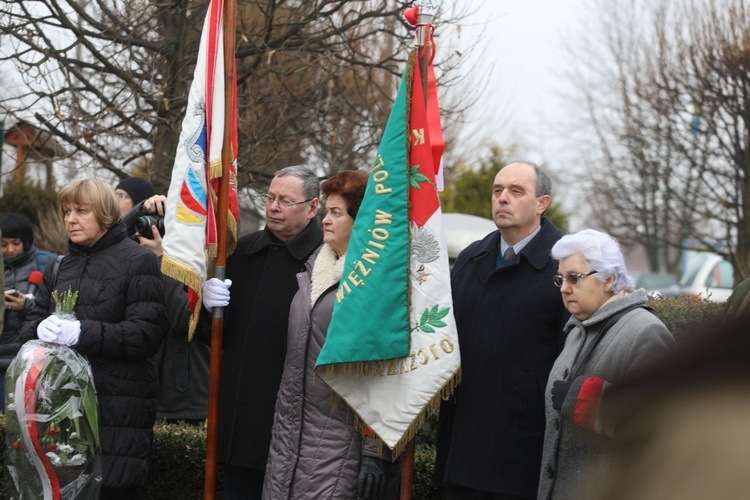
x,y
527,38
525,96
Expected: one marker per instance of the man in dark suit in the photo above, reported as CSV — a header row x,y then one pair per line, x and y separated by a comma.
x,y
510,320
262,274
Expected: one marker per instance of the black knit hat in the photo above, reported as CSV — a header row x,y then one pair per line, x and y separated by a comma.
x,y
17,226
138,189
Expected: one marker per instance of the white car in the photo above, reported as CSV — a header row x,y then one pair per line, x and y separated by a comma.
x,y
655,284
461,230
709,276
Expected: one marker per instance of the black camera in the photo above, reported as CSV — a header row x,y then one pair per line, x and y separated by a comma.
x,y
138,221
143,225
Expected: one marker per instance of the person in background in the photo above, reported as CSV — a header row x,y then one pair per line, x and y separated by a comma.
x,y
183,365
510,320
611,334
131,191
263,270
682,423
316,451
20,261
119,314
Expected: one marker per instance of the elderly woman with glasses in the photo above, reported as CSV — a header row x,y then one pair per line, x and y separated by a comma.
x,y
611,333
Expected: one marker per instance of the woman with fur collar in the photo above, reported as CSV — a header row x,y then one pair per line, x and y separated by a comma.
x,y
316,452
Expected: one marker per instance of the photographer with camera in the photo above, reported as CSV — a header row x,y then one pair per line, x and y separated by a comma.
x,y
183,365
131,191
145,223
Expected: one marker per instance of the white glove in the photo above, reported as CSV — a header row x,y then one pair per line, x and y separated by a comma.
x,y
70,332
49,329
216,293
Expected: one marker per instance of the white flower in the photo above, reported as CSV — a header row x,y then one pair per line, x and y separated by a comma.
x,y
11,396
77,459
53,458
65,448
73,435
11,407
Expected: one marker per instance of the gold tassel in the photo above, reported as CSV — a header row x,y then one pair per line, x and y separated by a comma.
x,y
215,169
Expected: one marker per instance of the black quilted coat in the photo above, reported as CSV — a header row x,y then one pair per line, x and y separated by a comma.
x,y
120,306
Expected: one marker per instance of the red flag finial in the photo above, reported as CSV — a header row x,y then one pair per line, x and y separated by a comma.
x,y
411,15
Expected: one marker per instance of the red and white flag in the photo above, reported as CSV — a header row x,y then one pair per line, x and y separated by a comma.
x,y
190,221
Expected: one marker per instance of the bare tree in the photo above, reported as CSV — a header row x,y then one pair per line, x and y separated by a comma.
x,y
109,78
666,95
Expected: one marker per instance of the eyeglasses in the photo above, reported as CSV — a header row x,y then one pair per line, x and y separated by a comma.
x,y
122,196
571,279
284,204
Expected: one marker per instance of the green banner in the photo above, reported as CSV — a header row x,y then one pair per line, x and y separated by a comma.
x,y
371,316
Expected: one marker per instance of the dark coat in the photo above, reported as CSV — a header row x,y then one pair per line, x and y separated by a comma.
x,y
510,329
263,271
17,277
183,364
120,307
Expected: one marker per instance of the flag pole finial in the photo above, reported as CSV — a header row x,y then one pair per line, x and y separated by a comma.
x,y
425,15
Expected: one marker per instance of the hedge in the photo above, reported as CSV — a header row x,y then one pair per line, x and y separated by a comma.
x,y
177,460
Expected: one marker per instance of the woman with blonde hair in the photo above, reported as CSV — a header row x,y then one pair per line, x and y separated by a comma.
x,y
117,326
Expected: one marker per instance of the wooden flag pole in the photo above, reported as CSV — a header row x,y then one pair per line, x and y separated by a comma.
x,y
407,471
423,48
217,322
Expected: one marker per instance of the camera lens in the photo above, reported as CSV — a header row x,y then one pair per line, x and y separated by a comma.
x,y
143,225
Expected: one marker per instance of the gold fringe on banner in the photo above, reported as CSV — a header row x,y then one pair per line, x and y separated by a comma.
x,y
433,405
215,169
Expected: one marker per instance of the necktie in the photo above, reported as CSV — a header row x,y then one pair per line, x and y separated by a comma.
x,y
509,253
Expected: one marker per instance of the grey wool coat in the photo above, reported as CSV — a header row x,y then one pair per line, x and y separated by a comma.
x,y
315,449
576,458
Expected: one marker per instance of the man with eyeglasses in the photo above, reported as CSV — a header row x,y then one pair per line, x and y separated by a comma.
x,y
262,274
510,319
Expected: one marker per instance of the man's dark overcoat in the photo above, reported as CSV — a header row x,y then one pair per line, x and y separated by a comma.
x,y
263,271
510,328
183,364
